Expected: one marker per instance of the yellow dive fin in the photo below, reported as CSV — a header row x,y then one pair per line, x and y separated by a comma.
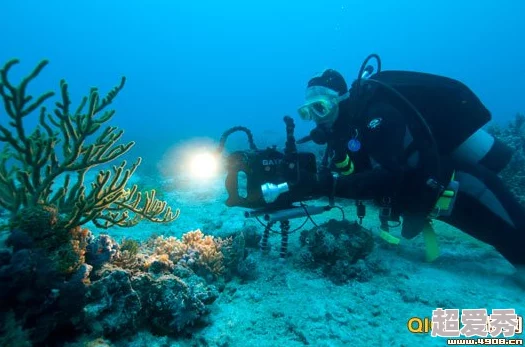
x,y
389,238
431,242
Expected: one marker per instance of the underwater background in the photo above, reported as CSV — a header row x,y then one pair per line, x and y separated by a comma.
x,y
194,69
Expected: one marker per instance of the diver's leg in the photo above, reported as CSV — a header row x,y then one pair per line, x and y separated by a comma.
x,y
475,218
487,210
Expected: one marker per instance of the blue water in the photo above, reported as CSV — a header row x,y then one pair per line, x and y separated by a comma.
x,y
197,67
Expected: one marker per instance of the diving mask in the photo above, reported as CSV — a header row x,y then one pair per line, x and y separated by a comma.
x,y
322,104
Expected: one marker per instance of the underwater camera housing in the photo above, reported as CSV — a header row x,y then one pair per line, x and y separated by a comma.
x,y
268,176
267,179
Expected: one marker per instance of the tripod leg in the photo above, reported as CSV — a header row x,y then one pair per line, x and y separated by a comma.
x,y
265,236
285,229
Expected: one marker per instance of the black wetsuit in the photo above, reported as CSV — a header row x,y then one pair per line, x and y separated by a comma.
x,y
484,207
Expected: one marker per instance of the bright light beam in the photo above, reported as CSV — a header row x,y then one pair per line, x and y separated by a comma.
x,y
204,165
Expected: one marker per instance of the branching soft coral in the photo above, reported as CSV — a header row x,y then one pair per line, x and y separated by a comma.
x,y
202,253
64,144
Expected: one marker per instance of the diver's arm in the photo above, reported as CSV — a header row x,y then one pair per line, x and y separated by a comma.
x,y
383,141
366,185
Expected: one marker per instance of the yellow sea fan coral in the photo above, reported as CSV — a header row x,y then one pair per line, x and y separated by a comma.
x,y
65,145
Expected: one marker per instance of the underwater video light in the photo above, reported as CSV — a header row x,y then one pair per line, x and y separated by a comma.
x,y
204,165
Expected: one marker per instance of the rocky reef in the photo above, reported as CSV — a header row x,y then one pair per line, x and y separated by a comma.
x,y
513,135
118,290
340,249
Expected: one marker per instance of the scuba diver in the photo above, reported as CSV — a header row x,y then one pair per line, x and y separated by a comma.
x,y
414,143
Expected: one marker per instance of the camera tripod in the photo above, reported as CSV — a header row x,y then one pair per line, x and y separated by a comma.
x,y
283,216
